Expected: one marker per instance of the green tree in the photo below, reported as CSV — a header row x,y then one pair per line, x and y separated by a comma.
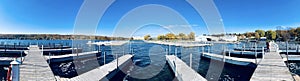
x,y
260,32
298,31
257,36
147,37
271,34
293,32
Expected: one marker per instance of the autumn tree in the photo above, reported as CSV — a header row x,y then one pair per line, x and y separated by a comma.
x,y
181,36
191,36
147,37
161,37
170,36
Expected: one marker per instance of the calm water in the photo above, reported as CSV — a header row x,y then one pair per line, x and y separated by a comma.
x,y
146,54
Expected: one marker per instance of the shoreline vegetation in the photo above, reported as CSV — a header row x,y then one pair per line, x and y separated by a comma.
x,y
291,34
57,37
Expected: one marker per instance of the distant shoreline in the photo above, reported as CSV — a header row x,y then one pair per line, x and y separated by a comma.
x,y
57,37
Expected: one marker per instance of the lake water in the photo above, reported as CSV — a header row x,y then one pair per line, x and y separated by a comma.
x,y
146,54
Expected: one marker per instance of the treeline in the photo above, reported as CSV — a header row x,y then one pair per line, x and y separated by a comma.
x,y
171,36
280,35
57,37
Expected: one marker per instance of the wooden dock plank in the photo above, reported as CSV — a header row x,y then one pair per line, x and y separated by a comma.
x,y
182,71
272,68
35,67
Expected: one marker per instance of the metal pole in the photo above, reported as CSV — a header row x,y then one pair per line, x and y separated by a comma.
x,y
175,51
169,50
255,53
224,53
49,57
263,52
104,57
287,54
42,50
21,57
297,49
77,50
166,51
229,53
191,60
99,49
15,70
117,60
123,50
203,51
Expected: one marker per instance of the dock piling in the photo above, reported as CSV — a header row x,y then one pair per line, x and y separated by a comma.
x,y
191,61
15,70
49,57
103,57
256,53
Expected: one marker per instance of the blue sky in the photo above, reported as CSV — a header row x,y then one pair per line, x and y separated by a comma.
x,y
58,16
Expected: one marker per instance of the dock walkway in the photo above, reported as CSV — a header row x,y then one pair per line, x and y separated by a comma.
x,y
182,71
272,68
100,72
35,67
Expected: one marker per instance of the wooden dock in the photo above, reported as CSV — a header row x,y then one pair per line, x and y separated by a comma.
x,y
101,72
35,67
182,71
272,68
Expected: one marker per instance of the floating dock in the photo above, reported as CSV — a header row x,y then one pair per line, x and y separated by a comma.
x,y
272,68
183,44
35,67
232,60
182,71
68,57
101,72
